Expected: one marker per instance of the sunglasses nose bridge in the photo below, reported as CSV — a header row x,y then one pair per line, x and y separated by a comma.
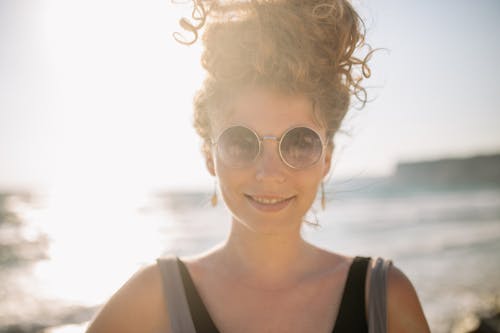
x,y
274,152
268,138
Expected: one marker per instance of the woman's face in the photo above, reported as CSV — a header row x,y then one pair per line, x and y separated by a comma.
x,y
268,196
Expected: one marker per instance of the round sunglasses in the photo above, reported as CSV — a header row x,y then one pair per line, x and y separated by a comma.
x,y
299,147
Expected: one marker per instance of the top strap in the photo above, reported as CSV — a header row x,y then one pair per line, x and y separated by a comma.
x,y
377,298
199,313
352,314
177,305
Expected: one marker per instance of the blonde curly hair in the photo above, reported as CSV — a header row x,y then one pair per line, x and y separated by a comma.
x,y
293,46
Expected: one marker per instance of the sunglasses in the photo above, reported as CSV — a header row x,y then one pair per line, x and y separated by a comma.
x,y
299,147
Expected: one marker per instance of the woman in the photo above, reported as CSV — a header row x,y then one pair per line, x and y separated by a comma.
x,y
280,75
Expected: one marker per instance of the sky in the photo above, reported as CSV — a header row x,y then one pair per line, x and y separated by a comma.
x,y
97,94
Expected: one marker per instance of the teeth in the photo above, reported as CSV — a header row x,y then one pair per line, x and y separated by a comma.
x,y
268,201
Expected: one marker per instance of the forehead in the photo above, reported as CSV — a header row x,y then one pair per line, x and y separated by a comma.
x,y
268,112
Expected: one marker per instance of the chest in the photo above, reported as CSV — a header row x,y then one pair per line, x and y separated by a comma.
x,y
309,307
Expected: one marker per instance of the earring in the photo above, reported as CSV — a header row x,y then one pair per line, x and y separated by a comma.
x,y
213,200
323,200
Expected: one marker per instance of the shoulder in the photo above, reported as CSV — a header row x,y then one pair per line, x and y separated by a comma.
x,y
405,313
138,306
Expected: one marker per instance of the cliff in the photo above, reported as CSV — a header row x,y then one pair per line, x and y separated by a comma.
x,y
477,171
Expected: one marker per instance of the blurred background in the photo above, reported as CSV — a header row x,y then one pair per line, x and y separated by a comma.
x,y
101,171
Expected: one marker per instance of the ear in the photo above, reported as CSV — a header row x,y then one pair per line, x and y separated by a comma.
x,y
328,158
209,162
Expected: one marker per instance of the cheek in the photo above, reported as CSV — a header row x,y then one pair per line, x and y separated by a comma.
x,y
314,175
309,182
230,180
310,187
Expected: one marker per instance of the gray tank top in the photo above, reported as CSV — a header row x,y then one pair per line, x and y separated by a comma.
x,y
182,322
176,301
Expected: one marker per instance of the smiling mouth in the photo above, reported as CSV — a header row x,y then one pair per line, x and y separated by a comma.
x,y
268,201
267,204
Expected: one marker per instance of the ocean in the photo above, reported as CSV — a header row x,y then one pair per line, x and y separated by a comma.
x,y
62,255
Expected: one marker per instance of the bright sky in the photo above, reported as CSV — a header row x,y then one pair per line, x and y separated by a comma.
x,y
96,93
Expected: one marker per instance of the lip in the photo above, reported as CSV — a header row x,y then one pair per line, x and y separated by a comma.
x,y
265,203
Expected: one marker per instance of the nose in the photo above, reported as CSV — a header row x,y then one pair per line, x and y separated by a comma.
x,y
269,165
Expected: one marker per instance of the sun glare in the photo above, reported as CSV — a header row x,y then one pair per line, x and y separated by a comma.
x,y
122,92
120,105
98,238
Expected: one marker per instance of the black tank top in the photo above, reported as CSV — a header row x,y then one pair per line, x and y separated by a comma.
x,y
350,318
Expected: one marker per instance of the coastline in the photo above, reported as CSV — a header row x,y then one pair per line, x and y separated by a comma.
x,y
434,231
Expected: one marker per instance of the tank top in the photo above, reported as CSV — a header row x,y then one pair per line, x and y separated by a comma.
x,y
189,313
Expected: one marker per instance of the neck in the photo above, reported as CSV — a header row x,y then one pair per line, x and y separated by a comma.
x,y
274,259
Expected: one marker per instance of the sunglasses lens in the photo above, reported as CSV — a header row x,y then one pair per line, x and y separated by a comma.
x,y
238,146
301,147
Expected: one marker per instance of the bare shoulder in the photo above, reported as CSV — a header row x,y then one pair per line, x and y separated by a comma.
x,y
138,306
405,313
331,261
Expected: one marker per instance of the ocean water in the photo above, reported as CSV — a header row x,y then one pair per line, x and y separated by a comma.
x,y
61,256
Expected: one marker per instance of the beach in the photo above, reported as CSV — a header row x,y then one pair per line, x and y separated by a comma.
x,y
61,259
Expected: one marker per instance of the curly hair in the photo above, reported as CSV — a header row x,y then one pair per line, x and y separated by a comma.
x,y
293,46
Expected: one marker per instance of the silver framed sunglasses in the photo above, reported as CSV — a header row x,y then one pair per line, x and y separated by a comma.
x,y
299,147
